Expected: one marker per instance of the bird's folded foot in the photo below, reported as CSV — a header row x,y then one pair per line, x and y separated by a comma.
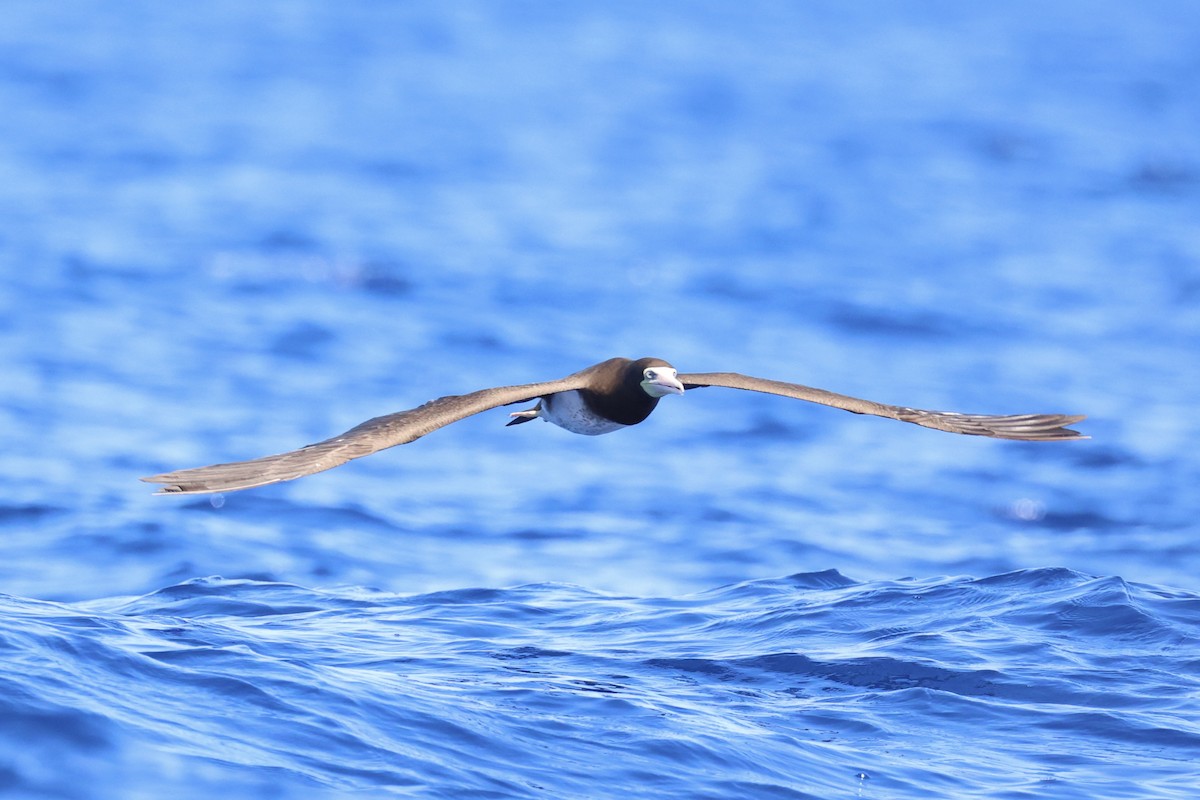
x,y
524,416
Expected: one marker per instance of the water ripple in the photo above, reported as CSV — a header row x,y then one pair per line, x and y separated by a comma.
x,y
785,687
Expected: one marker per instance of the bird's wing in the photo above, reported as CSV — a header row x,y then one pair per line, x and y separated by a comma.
x,y
1028,427
361,440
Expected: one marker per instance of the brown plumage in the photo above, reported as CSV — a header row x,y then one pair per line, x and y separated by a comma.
x,y
604,397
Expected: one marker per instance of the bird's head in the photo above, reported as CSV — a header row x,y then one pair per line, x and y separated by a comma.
x,y
661,379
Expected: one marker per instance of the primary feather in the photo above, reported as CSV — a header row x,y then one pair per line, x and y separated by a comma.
x,y
609,390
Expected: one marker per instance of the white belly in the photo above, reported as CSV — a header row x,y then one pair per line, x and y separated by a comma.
x,y
567,410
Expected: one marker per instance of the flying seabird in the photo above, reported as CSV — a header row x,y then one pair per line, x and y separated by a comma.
x,y
605,397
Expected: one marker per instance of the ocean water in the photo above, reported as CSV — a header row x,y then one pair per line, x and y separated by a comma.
x,y
230,230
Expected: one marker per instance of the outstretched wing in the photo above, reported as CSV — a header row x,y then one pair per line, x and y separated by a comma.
x,y
361,440
1027,427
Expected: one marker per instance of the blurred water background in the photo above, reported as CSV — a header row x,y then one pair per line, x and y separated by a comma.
x,y
230,229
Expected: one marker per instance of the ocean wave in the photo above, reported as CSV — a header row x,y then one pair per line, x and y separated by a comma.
x,y
812,685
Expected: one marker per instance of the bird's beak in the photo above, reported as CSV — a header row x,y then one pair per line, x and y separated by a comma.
x,y
663,385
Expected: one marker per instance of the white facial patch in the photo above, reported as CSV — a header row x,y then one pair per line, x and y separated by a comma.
x,y
661,381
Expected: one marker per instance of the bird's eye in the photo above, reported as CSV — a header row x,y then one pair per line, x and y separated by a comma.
x,y
649,374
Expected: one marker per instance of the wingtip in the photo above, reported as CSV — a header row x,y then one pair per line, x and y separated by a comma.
x,y
168,484
1071,419
1059,432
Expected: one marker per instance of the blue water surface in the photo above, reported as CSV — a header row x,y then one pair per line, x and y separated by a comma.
x,y
230,229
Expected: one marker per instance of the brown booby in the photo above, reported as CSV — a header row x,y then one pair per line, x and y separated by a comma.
x,y
605,397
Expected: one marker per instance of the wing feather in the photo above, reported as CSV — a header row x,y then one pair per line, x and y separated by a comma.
x,y
369,437
1026,427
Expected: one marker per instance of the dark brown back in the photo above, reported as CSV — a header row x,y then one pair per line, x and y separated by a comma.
x,y
614,389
